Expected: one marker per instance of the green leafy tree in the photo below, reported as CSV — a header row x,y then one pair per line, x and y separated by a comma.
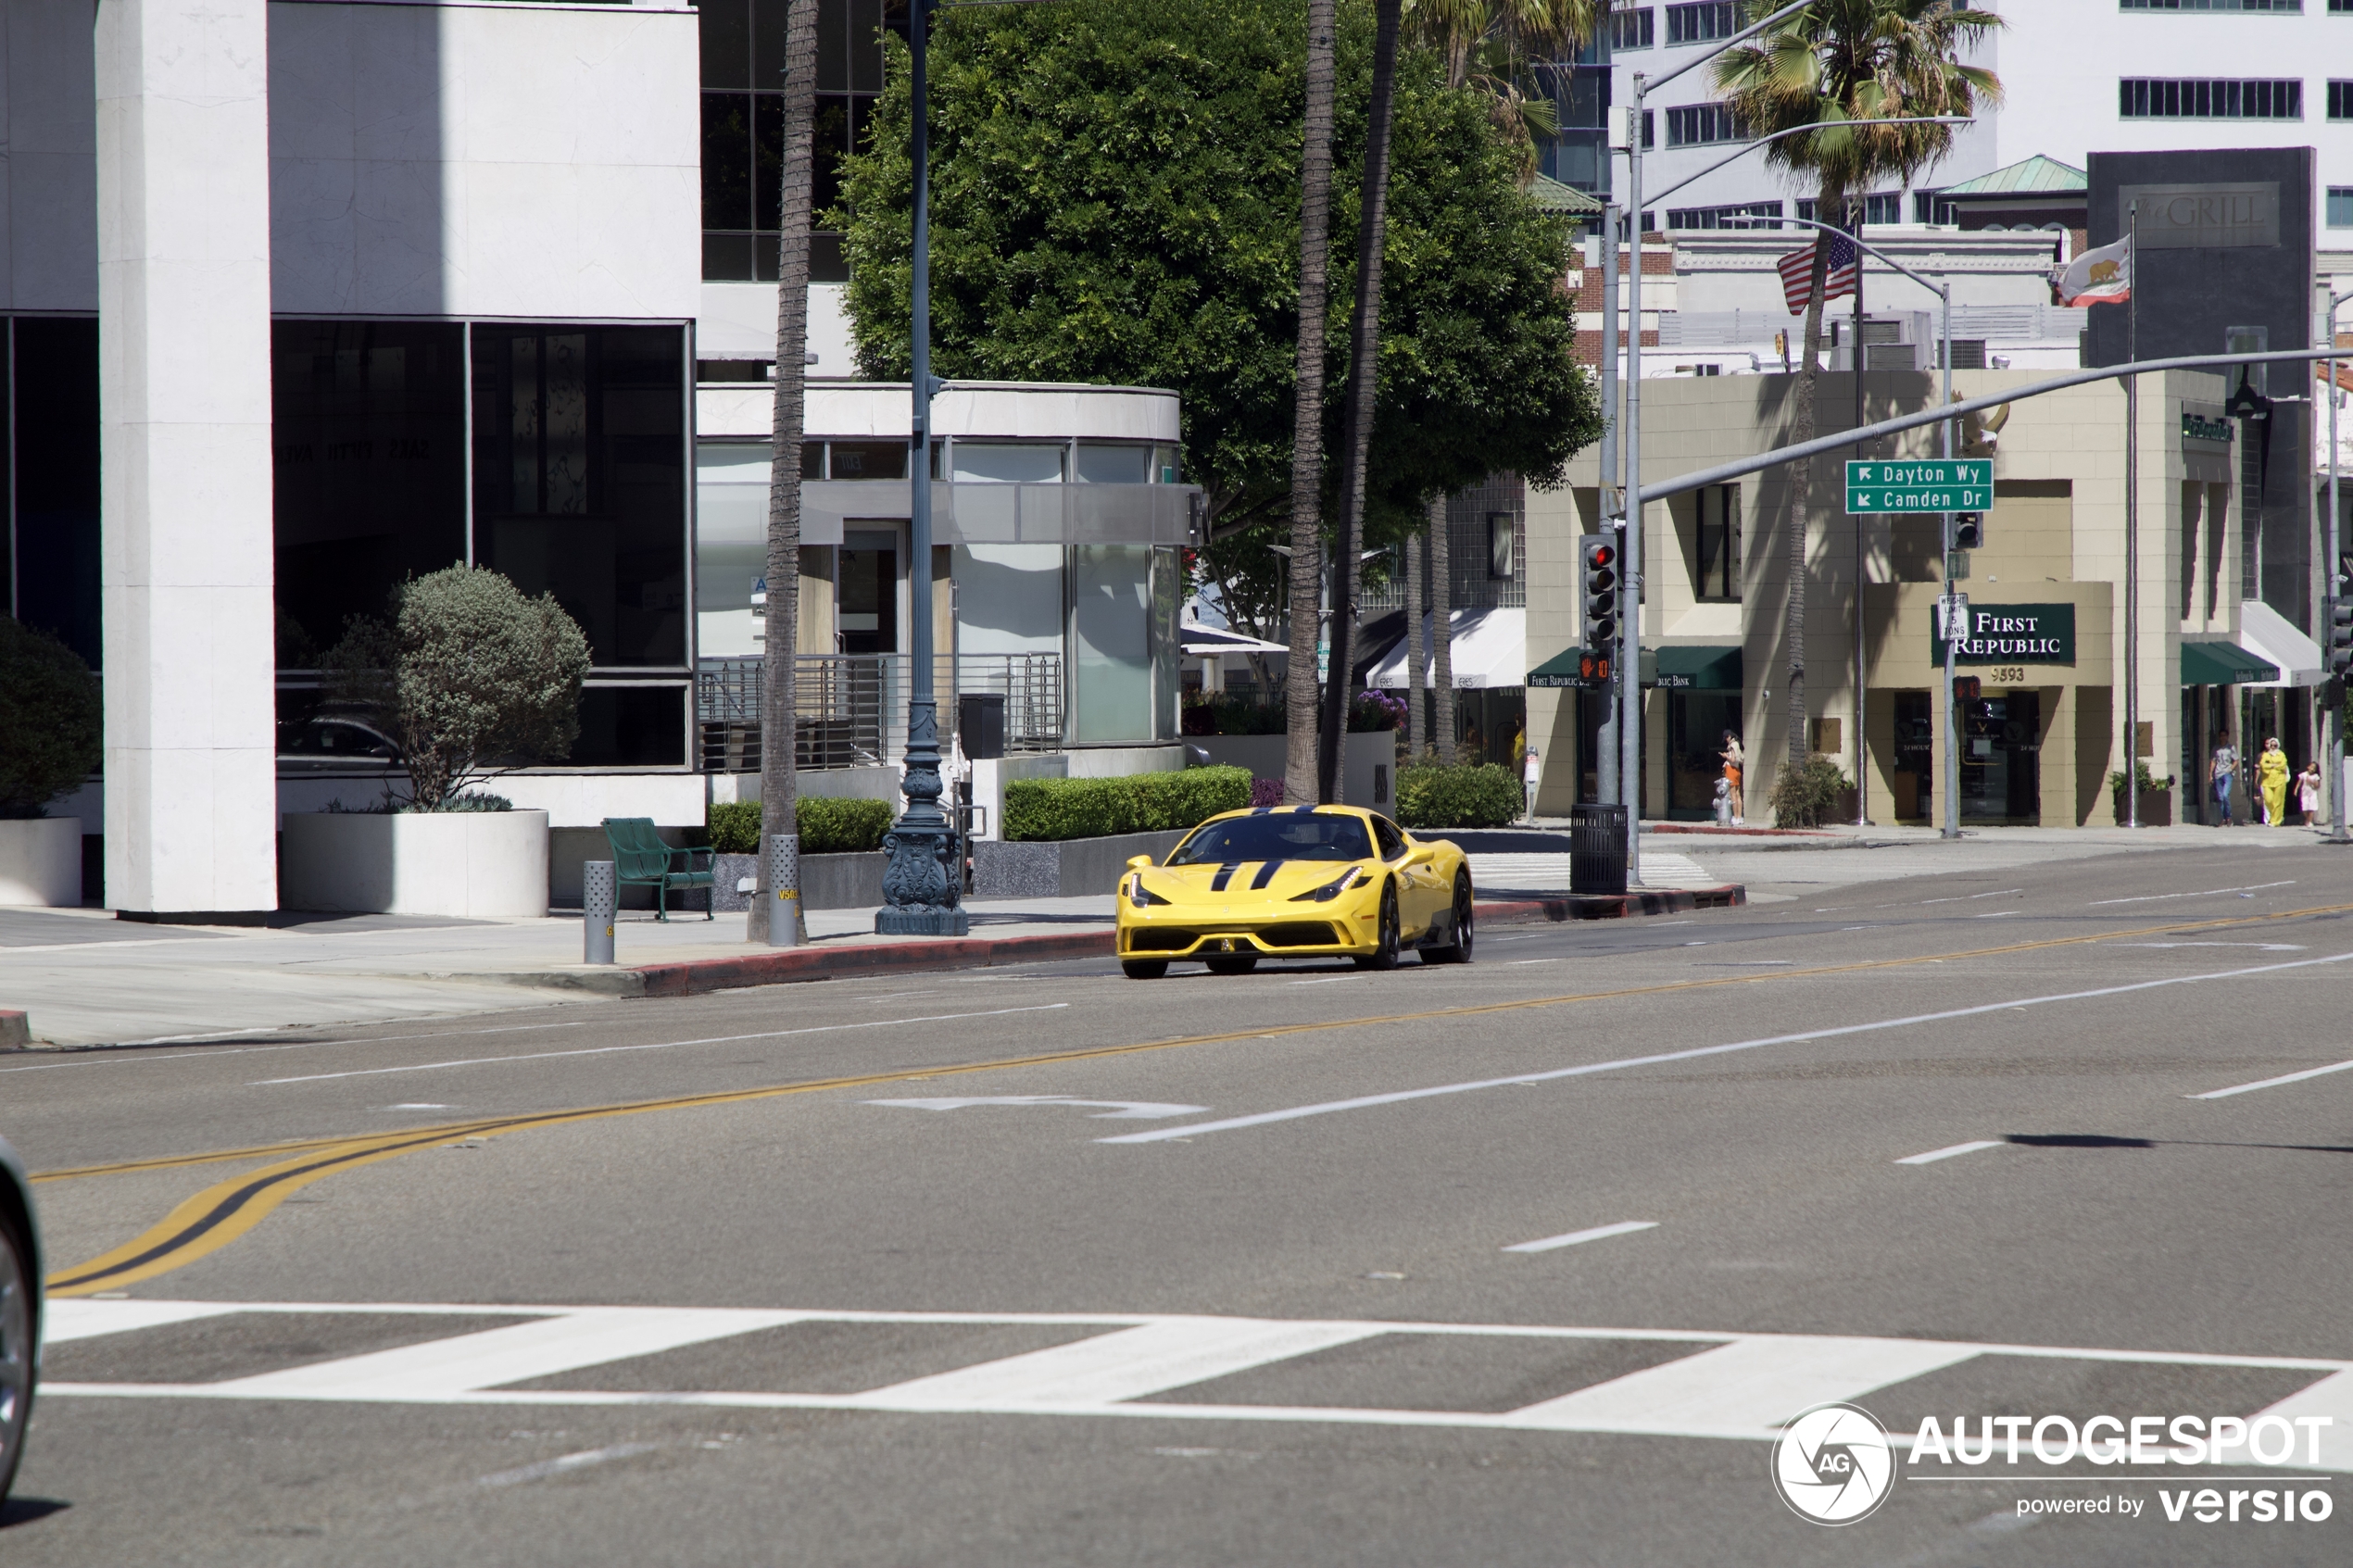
x,y
1835,62
468,677
50,720
1116,198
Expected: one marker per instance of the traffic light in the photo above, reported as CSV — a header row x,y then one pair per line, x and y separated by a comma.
x,y
1968,530
1598,580
2340,622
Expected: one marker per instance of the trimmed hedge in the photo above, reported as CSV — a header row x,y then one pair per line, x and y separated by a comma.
x,y
1052,809
1464,795
828,825
1807,795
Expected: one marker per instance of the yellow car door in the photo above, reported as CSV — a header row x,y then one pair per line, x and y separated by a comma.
x,y
1416,905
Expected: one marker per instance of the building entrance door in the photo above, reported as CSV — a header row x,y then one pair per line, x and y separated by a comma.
x,y
2001,758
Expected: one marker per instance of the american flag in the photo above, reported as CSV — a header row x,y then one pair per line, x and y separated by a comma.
x,y
1797,267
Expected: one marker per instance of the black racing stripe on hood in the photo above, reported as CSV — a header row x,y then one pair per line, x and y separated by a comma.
x,y
1265,874
1225,874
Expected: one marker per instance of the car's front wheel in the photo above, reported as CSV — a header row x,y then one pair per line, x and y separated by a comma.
x,y
1385,942
1458,950
1143,969
16,1347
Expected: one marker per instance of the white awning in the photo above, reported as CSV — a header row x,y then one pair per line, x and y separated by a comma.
x,y
1199,640
2270,636
1489,649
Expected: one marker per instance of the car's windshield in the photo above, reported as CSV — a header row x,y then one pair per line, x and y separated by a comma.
x,y
1280,836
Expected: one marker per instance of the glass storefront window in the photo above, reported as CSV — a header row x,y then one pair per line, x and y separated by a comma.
x,y
1006,462
731,544
54,584
580,483
1111,649
368,432
1102,463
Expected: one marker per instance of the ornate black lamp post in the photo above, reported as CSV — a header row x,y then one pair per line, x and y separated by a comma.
x,y
923,883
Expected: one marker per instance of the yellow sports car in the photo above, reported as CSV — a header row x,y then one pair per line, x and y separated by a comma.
x,y
1295,882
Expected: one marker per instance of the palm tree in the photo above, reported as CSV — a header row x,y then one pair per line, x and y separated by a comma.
x,y
1836,62
1364,348
1488,45
1307,420
778,787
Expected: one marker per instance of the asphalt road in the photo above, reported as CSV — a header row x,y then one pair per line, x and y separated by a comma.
x,y
1237,1271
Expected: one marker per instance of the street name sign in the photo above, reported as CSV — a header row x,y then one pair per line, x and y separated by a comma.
x,y
1925,484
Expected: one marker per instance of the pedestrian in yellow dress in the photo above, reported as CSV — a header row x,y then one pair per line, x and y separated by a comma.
x,y
2272,773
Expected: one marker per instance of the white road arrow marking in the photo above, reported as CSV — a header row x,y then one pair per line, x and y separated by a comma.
x,y
1122,1110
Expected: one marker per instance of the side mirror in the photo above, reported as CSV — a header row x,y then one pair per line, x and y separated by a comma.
x,y
1137,863
1423,855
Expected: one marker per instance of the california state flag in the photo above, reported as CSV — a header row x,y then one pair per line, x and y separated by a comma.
x,y
2098,277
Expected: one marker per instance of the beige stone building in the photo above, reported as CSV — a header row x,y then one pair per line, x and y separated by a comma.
x,y
2045,730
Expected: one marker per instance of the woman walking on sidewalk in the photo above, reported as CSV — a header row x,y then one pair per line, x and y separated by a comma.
x,y
2220,773
2307,793
1733,758
2271,774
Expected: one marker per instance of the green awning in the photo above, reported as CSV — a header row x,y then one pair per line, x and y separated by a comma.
x,y
2222,664
1683,668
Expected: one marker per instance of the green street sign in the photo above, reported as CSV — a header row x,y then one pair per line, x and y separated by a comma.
x,y
1923,484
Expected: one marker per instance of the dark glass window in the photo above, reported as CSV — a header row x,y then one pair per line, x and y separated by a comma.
x,y
580,478
631,727
57,479
368,428
743,63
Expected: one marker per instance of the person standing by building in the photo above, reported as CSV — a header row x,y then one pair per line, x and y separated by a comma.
x,y
2307,793
1530,775
2219,774
2270,776
1733,760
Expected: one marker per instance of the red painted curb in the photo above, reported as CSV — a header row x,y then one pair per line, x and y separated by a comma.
x,y
697,976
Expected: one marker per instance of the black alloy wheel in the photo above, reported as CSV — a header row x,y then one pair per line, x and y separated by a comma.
x,y
1384,954
1143,969
1233,963
16,1347
1458,950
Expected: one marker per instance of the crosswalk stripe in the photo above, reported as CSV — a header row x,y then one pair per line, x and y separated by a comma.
x,y
1130,1364
1745,1389
2331,1397
440,1368
66,1318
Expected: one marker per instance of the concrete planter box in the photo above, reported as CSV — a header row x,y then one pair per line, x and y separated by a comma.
x,y
1368,763
41,861
474,865
1073,868
827,882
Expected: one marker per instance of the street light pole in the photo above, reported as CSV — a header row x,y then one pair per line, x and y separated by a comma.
x,y
2132,524
924,883
1605,770
2336,544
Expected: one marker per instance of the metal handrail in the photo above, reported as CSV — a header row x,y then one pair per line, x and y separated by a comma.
x,y
850,709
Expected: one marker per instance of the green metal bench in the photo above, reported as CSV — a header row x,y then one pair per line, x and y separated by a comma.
x,y
640,859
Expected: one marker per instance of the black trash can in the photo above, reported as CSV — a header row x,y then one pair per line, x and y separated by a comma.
x,y
1597,849
980,722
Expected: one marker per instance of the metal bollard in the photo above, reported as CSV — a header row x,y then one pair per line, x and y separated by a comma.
x,y
599,895
783,891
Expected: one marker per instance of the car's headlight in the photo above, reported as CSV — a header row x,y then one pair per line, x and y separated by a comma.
x,y
1331,889
1139,895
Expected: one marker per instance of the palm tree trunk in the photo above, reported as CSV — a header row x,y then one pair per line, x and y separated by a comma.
x,y
1364,351
1441,630
1307,416
1801,479
778,787
1414,723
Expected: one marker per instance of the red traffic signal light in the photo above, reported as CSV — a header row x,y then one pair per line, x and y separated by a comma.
x,y
1601,554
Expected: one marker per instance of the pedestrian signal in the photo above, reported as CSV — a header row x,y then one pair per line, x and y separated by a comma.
x,y
1968,530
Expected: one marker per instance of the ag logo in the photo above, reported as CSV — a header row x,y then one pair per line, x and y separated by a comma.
x,y
1832,1464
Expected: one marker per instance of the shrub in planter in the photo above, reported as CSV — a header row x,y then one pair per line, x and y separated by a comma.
x,y
1463,795
827,826
468,677
1806,796
1374,710
2143,780
50,734
1266,792
1052,809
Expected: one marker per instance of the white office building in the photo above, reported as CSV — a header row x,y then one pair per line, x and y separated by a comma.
x,y
299,298
2078,76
